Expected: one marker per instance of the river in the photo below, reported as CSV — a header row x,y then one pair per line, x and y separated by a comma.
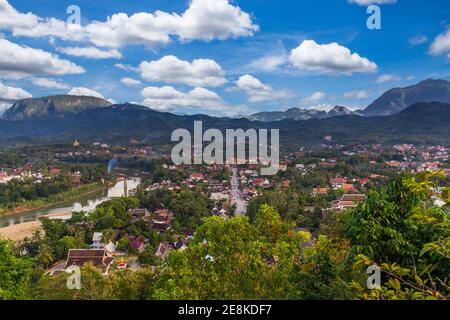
x,y
85,203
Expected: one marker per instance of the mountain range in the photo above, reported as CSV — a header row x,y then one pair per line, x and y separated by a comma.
x,y
391,102
422,123
59,119
52,106
398,99
301,114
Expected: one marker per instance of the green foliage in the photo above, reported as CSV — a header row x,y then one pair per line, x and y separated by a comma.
x,y
15,274
400,231
229,259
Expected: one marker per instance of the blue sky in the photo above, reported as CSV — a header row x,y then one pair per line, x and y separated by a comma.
x,y
221,57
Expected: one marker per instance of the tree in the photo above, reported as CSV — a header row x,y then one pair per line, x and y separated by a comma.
x,y
45,255
233,259
399,230
15,274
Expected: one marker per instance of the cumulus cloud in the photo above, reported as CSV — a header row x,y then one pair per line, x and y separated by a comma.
x,y
259,92
130,81
329,58
314,97
357,94
441,44
369,2
388,77
18,61
49,83
81,91
170,69
91,52
169,99
10,18
12,93
203,20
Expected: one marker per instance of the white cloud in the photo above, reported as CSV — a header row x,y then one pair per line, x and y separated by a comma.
x,y
388,77
329,58
112,101
3,107
357,94
441,44
169,99
417,40
316,96
130,82
269,63
259,92
81,91
49,83
12,93
126,67
11,18
91,52
320,107
203,20
170,69
369,2
19,61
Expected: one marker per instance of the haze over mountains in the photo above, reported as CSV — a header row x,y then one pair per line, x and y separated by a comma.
x,y
301,114
391,102
64,118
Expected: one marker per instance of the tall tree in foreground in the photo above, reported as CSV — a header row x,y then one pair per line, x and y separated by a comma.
x,y
401,231
15,274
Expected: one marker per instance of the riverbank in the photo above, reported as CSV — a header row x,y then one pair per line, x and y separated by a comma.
x,y
19,232
53,200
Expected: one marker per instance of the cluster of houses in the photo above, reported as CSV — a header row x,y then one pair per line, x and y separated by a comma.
x,y
102,255
27,172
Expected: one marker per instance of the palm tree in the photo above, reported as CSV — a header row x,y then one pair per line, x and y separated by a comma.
x,y
45,255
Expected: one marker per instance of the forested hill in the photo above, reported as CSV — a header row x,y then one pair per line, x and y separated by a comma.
x,y
422,123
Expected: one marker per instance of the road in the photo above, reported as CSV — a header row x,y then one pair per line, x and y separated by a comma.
x,y
241,204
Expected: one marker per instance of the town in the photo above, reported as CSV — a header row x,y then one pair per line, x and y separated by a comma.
x,y
143,225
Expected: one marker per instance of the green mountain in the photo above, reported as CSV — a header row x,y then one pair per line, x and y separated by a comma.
x,y
422,123
52,106
398,99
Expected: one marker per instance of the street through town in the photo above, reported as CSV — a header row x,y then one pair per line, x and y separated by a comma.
x,y
241,204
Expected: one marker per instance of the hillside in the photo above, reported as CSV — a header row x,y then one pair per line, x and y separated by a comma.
x,y
52,106
398,99
423,123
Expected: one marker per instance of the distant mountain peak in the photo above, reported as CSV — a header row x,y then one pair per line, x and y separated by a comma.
x,y
52,106
397,99
301,114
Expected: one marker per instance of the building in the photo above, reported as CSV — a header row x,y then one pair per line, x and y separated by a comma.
x,y
97,240
79,257
347,201
196,177
162,249
320,191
